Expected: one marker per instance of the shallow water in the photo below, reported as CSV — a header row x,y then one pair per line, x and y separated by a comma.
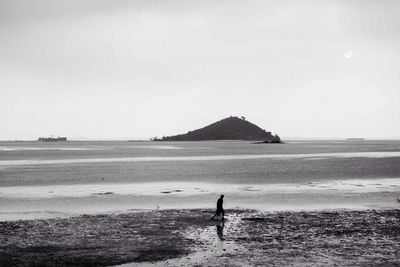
x,y
79,177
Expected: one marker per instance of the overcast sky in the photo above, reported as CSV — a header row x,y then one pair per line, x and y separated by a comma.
x,y
136,69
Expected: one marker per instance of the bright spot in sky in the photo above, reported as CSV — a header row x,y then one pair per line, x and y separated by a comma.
x,y
348,54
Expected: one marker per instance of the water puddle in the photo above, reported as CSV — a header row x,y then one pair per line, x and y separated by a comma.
x,y
213,246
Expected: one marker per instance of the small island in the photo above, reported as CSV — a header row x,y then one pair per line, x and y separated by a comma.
x,y
52,139
231,128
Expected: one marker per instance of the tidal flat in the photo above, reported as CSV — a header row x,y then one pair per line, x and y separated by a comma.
x,y
188,238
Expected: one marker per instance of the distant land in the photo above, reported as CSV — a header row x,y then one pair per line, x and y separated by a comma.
x,y
52,139
231,128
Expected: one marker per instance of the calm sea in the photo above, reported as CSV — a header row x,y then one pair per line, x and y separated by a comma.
x,y
118,175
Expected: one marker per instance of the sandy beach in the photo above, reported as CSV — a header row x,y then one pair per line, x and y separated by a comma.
x,y
188,238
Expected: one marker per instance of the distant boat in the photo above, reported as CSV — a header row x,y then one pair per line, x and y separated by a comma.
x,y
52,139
355,139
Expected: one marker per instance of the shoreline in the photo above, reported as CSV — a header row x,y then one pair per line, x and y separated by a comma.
x,y
186,237
57,215
350,185
31,202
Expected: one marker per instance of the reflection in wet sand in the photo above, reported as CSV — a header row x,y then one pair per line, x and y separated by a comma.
x,y
220,230
197,188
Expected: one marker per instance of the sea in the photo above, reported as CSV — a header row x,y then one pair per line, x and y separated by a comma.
x,y
61,179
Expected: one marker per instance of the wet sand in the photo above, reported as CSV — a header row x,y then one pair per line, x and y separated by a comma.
x,y
50,201
189,238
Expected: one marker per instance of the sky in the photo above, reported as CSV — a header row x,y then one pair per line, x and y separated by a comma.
x,y
116,69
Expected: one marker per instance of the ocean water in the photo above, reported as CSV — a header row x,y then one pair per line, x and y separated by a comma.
x,y
66,178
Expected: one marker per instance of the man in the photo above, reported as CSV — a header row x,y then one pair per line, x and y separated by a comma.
x,y
220,210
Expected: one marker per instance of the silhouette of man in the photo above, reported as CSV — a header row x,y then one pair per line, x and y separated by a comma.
x,y
220,210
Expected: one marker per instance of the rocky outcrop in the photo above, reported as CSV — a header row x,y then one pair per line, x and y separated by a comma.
x,y
231,128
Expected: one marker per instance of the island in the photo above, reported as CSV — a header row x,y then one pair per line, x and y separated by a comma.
x,y
52,139
231,128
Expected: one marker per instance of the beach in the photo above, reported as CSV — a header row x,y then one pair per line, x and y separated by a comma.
x,y
188,238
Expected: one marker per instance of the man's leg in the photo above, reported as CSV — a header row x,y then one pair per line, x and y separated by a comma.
x,y
212,218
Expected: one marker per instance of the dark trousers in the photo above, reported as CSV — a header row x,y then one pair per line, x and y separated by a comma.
x,y
219,212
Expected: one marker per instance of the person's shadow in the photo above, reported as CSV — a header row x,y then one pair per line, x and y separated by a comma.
x,y
220,230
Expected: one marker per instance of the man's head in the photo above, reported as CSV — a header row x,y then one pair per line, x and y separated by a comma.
x,y
222,196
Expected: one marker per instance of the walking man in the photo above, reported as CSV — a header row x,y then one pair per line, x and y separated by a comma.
x,y
220,210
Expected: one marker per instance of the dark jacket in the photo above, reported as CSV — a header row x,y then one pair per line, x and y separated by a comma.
x,y
219,204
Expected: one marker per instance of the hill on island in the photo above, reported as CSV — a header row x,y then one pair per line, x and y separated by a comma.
x,y
231,128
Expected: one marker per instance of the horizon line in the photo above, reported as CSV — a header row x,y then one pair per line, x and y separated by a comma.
x,y
288,138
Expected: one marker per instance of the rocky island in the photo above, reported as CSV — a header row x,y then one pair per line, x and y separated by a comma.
x,y
231,128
